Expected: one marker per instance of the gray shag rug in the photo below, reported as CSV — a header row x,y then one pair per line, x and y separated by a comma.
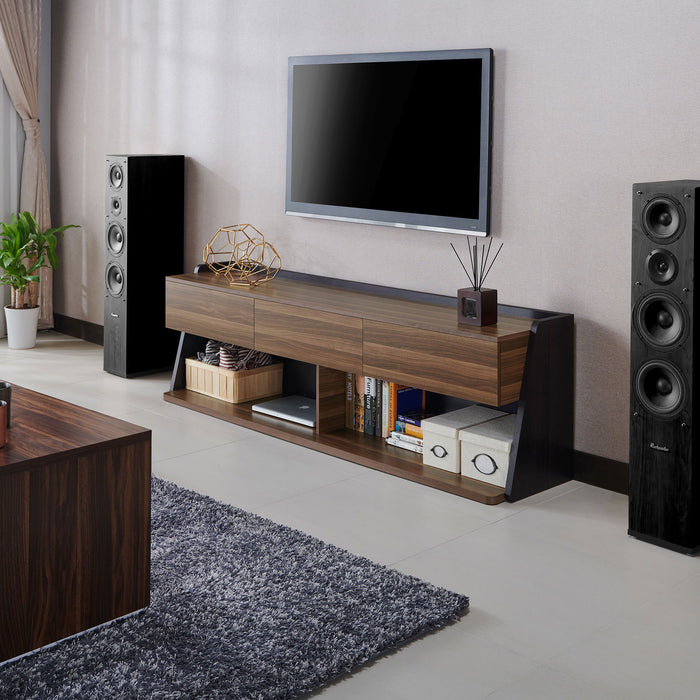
x,y
240,608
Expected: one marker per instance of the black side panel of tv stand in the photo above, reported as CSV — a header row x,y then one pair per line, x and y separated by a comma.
x,y
544,434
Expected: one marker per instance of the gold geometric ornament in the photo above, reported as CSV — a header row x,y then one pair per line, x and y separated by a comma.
x,y
241,255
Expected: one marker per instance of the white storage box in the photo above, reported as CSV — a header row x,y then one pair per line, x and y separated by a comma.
x,y
441,435
485,450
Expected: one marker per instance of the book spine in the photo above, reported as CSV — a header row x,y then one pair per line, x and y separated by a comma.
x,y
413,420
408,429
350,400
385,408
378,409
404,445
393,402
370,400
406,438
413,430
359,401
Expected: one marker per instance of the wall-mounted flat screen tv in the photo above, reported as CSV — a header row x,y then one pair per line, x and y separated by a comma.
x,y
399,139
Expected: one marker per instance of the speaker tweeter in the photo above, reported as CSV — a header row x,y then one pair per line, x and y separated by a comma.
x,y
662,266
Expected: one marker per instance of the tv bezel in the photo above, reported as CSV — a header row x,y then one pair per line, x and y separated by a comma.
x,y
480,226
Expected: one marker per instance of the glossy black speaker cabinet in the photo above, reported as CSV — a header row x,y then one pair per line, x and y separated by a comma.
x,y
664,488
144,242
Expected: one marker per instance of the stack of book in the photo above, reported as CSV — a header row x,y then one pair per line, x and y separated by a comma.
x,y
405,442
385,409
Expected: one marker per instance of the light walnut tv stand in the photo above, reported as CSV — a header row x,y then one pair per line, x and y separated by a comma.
x,y
325,328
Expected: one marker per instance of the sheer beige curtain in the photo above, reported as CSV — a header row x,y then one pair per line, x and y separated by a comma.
x,y
20,34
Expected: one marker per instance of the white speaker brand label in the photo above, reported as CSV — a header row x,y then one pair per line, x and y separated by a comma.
x,y
658,448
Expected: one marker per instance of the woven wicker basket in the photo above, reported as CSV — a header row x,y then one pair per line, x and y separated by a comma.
x,y
233,386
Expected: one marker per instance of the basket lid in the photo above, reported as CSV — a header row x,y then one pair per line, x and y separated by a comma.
x,y
449,424
495,434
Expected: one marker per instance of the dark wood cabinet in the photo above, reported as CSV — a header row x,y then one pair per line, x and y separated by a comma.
x,y
75,507
406,337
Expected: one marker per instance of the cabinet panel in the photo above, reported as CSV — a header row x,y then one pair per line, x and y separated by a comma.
x,y
210,313
460,366
317,337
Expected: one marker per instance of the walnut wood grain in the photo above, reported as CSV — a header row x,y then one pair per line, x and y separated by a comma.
x,y
330,399
346,444
223,315
318,337
464,367
357,304
75,516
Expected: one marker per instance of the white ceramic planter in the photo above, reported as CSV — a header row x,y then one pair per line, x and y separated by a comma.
x,y
21,327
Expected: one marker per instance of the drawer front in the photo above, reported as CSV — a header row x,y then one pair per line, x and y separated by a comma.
x,y
454,365
209,312
317,337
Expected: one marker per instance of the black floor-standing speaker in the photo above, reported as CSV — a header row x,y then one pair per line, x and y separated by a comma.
x,y
664,486
144,242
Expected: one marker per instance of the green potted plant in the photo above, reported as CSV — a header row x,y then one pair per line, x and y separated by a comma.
x,y
24,249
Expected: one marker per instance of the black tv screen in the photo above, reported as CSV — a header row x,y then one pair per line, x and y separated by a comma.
x,y
400,139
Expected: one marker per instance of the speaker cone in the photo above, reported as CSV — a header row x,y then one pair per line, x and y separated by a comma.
x,y
661,320
114,279
661,388
662,266
115,238
116,176
115,206
663,219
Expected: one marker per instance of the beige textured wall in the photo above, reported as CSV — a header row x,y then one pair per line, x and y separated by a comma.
x,y
590,97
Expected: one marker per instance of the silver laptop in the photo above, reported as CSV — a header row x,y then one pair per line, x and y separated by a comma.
x,y
297,409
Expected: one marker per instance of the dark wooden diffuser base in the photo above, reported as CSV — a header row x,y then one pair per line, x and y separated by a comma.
x,y
477,307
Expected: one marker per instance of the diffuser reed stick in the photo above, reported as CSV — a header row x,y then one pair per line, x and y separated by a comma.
x,y
478,261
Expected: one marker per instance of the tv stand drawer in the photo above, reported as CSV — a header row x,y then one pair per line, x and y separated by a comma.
x,y
318,337
461,366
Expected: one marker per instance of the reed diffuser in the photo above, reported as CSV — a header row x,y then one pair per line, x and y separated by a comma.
x,y
477,306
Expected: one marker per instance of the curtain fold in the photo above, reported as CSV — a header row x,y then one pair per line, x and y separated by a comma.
x,y
20,35
11,149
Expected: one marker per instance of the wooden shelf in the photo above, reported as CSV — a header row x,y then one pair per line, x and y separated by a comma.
x,y
524,361
346,444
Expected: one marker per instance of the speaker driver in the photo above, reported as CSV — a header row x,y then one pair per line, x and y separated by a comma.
x,y
114,279
662,266
115,238
663,219
661,320
116,176
115,206
661,388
